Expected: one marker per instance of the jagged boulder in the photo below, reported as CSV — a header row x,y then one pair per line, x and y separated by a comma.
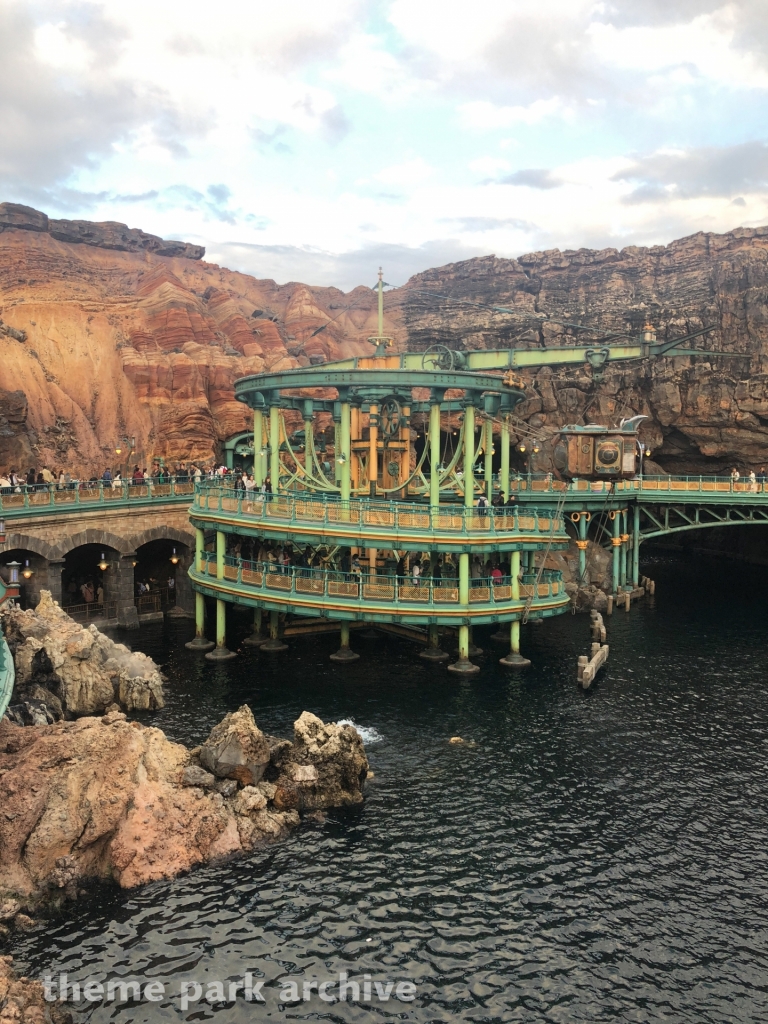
x,y
111,799
325,767
236,748
82,669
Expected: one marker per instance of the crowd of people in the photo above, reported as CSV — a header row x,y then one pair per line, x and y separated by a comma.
x,y
755,481
413,570
60,479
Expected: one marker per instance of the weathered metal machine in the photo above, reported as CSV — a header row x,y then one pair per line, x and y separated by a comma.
x,y
596,453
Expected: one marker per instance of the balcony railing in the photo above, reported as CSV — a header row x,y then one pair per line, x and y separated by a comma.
x,y
315,584
39,497
395,516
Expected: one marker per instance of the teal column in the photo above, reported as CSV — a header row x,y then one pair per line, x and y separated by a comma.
x,y
345,443
221,549
636,547
616,543
199,615
221,624
464,579
623,549
505,456
199,546
582,543
488,461
469,456
274,447
258,441
434,454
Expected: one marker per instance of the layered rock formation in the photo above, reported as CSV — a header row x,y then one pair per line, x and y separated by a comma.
x,y
123,334
129,336
104,798
22,1000
64,669
706,413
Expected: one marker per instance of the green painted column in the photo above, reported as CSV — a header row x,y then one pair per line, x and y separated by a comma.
x,y
636,547
616,543
221,624
464,579
274,447
514,636
274,625
469,456
199,548
505,456
434,454
199,615
258,441
623,550
337,449
463,643
488,453
345,443
221,550
515,572
582,543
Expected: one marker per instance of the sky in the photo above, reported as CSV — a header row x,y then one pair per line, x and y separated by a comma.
x,y
312,140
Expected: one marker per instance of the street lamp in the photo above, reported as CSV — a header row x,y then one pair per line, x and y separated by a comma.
x,y
26,571
174,557
103,564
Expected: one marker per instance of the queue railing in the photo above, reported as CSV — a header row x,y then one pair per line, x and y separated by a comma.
x,y
395,516
364,587
24,497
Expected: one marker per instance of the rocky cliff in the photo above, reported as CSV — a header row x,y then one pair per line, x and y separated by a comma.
x,y
108,332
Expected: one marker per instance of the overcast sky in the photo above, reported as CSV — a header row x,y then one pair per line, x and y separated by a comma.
x,y
313,139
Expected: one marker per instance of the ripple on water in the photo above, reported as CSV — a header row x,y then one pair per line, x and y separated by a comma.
x,y
592,857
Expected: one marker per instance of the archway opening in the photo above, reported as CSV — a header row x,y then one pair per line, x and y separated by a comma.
x,y
156,574
32,572
89,587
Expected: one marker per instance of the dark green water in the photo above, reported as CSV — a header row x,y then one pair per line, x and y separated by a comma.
x,y
590,857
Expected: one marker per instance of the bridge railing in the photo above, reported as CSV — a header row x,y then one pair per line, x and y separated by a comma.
x,y
703,484
315,584
24,499
398,516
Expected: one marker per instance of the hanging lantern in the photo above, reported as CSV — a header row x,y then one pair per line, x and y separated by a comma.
x,y
342,459
174,557
134,563
27,573
521,448
103,564
536,449
648,453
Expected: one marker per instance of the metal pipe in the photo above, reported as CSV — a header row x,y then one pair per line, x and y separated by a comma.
x,y
616,543
488,446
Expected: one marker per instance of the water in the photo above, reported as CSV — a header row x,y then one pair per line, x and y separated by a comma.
x,y
582,857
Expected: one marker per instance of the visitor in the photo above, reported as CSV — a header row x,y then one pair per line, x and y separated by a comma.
x,y
117,481
496,576
31,479
106,477
100,594
416,573
734,475
87,591
268,489
482,506
752,482
761,478
356,570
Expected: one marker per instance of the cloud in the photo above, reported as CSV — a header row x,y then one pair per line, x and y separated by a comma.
x,y
346,270
705,171
532,177
53,118
481,224
334,125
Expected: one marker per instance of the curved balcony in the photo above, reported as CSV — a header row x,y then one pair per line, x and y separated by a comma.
x,y
338,595
306,518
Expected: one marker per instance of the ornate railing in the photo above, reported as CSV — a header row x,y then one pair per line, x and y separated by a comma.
x,y
39,498
315,584
396,516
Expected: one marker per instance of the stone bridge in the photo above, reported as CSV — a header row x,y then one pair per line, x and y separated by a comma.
x,y
123,532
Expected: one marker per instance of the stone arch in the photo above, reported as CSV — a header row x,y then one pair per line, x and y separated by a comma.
x,y
93,536
171,533
27,542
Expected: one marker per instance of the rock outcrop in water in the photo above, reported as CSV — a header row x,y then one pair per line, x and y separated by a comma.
x,y
22,1000
65,669
105,798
